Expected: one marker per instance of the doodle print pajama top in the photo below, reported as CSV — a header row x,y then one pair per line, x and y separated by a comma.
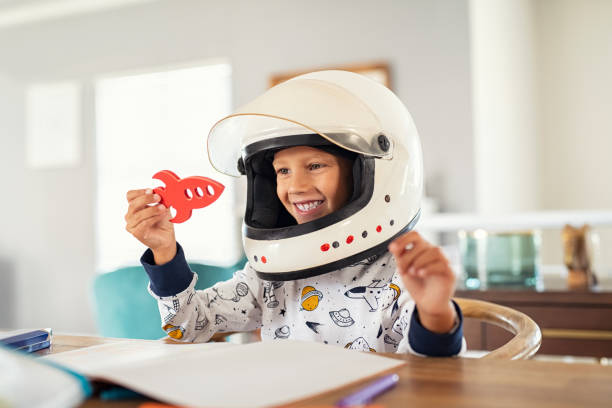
x,y
363,307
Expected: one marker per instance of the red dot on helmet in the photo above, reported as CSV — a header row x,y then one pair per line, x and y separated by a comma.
x,y
324,247
378,229
263,259
349,239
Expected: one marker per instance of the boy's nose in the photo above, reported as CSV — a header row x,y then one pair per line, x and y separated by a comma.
x,y
298,184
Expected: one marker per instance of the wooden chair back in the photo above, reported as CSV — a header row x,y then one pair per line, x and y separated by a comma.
x,y
527,336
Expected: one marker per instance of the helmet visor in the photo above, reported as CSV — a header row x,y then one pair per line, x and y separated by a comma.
x,y
300,106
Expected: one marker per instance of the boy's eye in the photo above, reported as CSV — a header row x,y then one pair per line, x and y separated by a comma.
x,y
282,170
315,166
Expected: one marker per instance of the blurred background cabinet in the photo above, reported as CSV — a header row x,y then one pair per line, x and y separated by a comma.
x,y
572,323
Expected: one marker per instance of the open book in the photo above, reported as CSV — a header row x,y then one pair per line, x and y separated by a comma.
x,y
223,374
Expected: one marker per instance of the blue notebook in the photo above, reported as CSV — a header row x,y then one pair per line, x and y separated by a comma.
x,y
26,340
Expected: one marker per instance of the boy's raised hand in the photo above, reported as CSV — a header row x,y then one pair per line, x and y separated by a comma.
x,y
150,224
428,277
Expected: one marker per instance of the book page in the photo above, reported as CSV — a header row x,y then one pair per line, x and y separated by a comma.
x,y
224,375
107,359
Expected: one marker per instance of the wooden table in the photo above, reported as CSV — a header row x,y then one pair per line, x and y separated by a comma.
x,y
456,382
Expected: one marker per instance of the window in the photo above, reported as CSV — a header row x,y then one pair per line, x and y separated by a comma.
x,y
157,121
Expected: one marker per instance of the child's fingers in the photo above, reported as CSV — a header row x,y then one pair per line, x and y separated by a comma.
x,y
132,194
144,226
432,254
142,201
435,268
139,217
407,256
399,244
147,197
134,218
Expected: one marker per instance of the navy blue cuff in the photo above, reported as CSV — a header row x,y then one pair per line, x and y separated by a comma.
x,y
433,344
170,278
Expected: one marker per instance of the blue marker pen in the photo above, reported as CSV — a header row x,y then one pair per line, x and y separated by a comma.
x,y
369,391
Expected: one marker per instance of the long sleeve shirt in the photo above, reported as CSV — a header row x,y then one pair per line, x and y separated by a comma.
x,y
363,307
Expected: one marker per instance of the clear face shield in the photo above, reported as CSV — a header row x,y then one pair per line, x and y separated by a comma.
x,y
301,106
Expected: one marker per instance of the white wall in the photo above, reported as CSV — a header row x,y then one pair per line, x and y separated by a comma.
x,y
506,139
46,239
10,159
575,45
542,86
50,242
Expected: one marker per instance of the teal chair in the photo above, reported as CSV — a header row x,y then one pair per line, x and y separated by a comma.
x,y
124,308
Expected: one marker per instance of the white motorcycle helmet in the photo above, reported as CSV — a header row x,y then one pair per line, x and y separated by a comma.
x,y
343,113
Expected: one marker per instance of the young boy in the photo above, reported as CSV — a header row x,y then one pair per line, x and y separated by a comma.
x,y
334,173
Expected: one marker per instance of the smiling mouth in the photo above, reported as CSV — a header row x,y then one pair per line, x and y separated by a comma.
x,y
308,206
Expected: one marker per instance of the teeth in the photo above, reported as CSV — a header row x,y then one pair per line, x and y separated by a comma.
x,y
308,206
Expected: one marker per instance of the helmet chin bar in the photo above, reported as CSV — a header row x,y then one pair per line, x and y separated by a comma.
x,y
342,263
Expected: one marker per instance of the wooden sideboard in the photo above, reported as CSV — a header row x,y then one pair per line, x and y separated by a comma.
x,y
572,322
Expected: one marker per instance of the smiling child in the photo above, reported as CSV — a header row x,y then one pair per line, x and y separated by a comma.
x,y
334,174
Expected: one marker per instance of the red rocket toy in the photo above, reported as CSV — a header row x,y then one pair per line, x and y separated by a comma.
x,y
186,194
